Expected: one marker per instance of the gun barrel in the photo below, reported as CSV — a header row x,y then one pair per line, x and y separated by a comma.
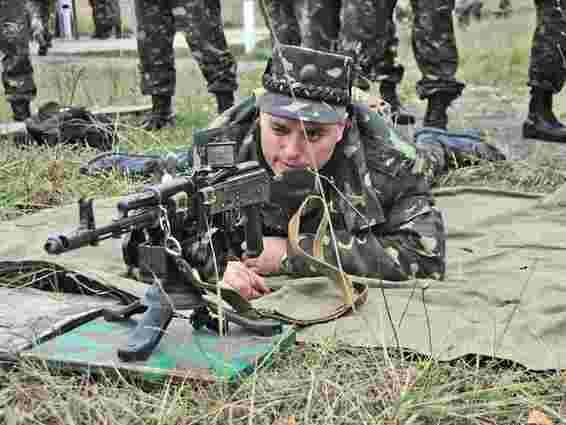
x,y
61,242
54,245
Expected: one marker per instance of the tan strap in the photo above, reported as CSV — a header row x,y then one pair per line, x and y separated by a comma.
x,y
316,261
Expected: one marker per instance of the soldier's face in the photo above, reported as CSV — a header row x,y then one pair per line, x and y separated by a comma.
x,y
288,143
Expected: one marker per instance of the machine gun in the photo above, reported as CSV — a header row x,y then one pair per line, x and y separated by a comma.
x,y
222,203
172,243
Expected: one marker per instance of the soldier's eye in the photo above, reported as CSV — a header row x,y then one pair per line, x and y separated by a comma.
x,y
279,130
313,133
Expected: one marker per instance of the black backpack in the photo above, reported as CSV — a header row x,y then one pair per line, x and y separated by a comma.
x,y
56,124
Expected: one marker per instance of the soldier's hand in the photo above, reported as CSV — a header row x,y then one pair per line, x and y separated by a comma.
x,y
270,259
249,284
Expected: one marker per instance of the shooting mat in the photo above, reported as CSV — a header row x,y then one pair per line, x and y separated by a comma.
x,y
182,354
504,295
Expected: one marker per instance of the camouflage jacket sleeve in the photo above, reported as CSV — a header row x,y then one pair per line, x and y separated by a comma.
x,y
410,240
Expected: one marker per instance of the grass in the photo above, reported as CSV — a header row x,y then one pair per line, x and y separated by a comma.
x,y
323,384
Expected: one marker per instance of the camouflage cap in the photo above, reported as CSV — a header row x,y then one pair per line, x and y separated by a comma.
x,y
307,84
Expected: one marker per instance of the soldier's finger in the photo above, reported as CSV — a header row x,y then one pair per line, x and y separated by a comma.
x,y
258,283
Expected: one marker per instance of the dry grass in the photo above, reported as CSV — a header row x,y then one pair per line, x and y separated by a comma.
x,y
322,384
509,175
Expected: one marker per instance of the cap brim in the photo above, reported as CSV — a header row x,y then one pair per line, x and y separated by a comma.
x,y
301,109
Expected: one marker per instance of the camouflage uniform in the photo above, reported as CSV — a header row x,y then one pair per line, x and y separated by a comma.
x,y
45,8
434,44
365,30
434,47
369,34
201,21
17,71
280,17
310,23
547,69
387,179
106,17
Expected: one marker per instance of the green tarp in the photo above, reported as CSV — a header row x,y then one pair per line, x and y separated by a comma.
x,y
183,353
504,295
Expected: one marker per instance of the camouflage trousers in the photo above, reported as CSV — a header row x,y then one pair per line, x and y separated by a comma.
x,y
312,23
106,15
45,8
369,35
17,71
366,30
547,68
434,47
201,21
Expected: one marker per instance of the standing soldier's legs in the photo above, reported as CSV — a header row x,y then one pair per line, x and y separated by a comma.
x,y
96,31
17,71
45,12
389,71
362,35
436,53
155,34
115,16
106,15
369,35
547,71
319,22
280,17
201,21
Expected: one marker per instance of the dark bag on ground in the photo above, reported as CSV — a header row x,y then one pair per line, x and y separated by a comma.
x,y
56,124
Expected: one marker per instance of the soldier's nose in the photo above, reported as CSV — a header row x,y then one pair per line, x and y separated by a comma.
x,y
294,148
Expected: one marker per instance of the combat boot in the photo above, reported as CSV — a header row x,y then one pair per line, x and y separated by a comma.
x,y
21,112
102,32
161,115
224,100
399,115
541,123
20,109
436,112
